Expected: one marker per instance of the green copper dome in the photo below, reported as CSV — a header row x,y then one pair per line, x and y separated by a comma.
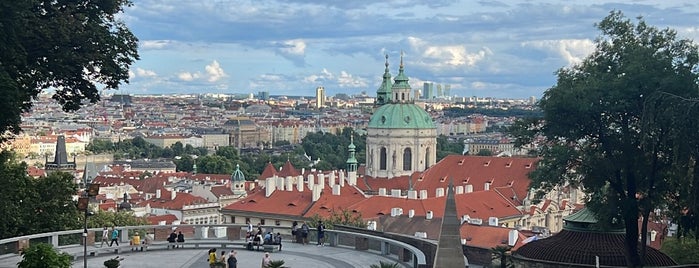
x,y
401,115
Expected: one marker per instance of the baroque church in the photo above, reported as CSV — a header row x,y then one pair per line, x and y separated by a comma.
x,y
401,136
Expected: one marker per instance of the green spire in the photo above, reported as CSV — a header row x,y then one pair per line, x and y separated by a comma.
x,y
237,174
401,87
352,160
383,94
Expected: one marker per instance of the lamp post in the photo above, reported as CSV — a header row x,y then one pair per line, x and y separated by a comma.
x,y
91,191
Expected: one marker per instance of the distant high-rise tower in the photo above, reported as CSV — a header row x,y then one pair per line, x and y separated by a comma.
x,y
263,95
439,91
447,90
320,97
428,90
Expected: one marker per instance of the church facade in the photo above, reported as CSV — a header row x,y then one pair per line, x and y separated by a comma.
x,y
401,136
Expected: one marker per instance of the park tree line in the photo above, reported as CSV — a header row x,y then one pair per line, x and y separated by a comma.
x,y
622,125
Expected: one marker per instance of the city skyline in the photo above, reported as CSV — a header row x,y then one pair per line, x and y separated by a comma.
x,y
290,47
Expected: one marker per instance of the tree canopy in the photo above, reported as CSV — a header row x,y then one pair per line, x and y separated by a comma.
x,y
606,125
67,46
32,205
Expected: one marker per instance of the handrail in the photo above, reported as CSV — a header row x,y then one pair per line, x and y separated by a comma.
x,y
419,258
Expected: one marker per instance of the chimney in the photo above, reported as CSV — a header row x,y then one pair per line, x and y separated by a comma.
x,y
493,221
411,213
412,194
460,189
289,183
429,215
423,194
173,194
311,181
342,178
352,178
382,191
321,180
395,192
316,192
396,212
440,192
299,183
279,183
468,188
157,193
512,238
252,186
486,186
303,171
465,218
331,179
269,187
336,189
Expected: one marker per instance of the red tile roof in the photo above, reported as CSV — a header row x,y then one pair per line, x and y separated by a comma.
x,y
485,204
485,236
156,219
329,202
289,203
478,170
268,172
288,170
181,200
222,190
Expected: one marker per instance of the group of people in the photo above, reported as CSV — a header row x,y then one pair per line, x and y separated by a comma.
x,y
230,260
260,238
110,237
301,233
176,240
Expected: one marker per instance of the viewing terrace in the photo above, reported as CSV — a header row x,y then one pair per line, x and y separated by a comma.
x,y
342,248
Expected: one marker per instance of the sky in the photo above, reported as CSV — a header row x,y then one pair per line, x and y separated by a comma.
x,y
502,49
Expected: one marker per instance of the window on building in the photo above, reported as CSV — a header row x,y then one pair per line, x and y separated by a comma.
x,y
277,222
427,158
407,159
382,159
262,221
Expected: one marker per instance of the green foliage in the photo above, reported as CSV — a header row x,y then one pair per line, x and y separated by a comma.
x,y
606,126
501,254
485,152
447,146
110,219
31,205
112,263
69,46
276,264
341,217
214,164
682,250
514,112
332,148
184,163
42,255
383,264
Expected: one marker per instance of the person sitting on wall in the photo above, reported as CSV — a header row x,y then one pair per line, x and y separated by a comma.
x,y
172,239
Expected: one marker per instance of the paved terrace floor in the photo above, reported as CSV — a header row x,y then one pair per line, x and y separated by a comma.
x,y
294,255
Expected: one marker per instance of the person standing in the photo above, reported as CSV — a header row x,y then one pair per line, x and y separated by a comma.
x,y
266,260
223,259
232,260
295,231
115,236
304,233
212,258
321,234
249,227
105,236
180,239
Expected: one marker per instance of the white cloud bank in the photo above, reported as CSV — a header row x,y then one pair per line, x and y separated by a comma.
x,y
212,73
572,51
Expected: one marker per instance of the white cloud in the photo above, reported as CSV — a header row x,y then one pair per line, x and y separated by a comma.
x,y
155,44
293,50
446,56
572,51
187,76
214,71
347,80
145,73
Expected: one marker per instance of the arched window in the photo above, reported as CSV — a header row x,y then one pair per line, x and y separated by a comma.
x,y
427,158
382,159
407,159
